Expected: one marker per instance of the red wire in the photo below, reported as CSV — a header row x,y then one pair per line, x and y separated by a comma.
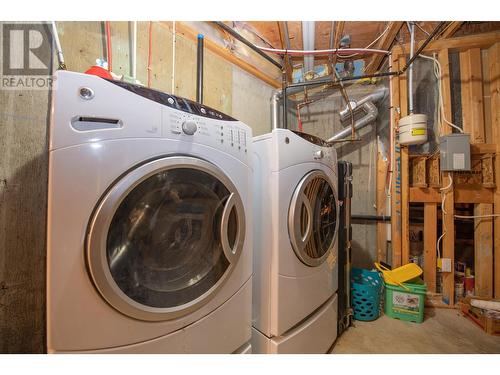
x,y
108,45
150,52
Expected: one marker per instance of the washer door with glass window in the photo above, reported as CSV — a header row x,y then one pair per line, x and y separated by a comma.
x,y
165,238
313,218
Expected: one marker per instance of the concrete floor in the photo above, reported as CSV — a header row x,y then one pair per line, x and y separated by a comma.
x,y
444,331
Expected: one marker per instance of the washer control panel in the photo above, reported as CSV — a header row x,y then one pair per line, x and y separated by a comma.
x,y
230,136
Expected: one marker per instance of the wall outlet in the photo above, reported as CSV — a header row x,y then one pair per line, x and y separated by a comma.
x,y
445,264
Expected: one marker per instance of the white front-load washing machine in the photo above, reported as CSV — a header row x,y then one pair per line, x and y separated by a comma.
x,y
295,243
149,222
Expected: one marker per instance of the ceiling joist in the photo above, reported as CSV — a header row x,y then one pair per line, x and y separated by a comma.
x,y
385,43
450,29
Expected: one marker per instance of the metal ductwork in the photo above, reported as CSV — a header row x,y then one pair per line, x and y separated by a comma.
x,y
363,105
308,36
275,102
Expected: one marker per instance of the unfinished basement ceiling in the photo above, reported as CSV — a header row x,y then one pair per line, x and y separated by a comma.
x,y
362,33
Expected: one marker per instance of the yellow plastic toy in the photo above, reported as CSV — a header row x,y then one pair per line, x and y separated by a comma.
x,y
401,274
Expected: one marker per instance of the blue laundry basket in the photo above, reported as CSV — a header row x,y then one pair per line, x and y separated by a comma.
x,y
366,292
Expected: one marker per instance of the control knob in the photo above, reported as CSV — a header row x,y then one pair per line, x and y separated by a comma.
x,y
189,127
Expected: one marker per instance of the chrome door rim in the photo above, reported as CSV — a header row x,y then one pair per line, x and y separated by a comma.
x,y
96,241
294,218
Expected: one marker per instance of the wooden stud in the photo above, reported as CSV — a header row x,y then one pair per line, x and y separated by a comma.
x,y
384,43
465,91
395,177
430,239
483,251
494,74
485,65
472,94
448,242
419,178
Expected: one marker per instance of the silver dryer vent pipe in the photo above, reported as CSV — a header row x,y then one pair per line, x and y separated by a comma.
x,y
365,105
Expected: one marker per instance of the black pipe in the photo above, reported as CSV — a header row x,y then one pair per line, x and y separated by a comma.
x,y
284,87
199,70
248,44
371,218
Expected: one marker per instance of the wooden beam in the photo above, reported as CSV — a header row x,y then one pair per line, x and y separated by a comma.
x,y
483,251
385,43
483,148
451,29
494,70
463,43
472,194
220,51
472,94
430,239
448,242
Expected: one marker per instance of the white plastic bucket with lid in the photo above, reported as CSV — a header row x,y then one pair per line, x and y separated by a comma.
x,y
413,129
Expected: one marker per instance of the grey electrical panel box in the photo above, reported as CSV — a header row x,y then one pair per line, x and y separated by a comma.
x,y
455,152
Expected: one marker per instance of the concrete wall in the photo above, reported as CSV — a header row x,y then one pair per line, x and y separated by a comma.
x,y
322,119
23,147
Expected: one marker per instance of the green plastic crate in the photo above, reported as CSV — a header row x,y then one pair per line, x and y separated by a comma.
x,y
406,304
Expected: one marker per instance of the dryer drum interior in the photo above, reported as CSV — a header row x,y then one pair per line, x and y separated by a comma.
x,y
165,237
313,218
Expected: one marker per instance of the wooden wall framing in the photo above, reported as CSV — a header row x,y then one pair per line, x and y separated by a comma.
x,y
418,179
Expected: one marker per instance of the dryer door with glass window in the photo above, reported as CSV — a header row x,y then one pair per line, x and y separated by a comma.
x,y
313,218
165,237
